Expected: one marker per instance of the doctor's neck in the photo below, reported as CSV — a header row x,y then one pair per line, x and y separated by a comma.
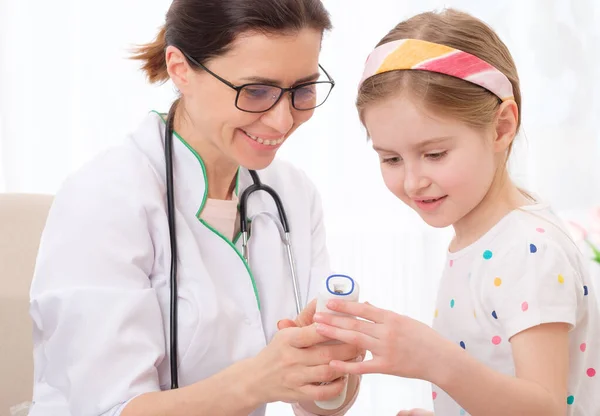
x,y
221,170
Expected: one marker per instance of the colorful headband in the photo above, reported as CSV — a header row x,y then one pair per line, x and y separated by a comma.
x,y
426,56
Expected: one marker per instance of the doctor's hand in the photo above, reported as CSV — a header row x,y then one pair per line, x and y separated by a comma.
x,y
400,345
305,318
291,368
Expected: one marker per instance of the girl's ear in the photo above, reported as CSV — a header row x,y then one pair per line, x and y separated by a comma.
x,y
506,123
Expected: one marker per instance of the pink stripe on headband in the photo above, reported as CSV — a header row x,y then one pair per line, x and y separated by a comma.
x,y
421,55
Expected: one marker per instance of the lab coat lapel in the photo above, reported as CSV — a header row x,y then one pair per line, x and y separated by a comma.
x,y
229,305
220,256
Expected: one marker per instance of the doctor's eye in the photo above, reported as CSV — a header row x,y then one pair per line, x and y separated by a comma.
x,y
258,92
307,92
436,155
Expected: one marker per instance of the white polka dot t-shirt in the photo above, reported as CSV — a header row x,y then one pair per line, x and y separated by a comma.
x,y
524,272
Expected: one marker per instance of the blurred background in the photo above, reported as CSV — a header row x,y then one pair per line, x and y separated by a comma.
x,y
68,91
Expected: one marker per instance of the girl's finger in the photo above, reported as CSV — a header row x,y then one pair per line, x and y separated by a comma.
x,y
362,367
357,339
361,310
345,322
415,412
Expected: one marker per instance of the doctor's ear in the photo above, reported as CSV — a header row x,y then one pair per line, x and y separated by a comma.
x,y
178,68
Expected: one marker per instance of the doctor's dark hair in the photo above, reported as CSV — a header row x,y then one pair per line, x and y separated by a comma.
x,y
205,29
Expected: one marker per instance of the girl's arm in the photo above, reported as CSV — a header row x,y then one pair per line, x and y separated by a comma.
x,y
408,348
541,356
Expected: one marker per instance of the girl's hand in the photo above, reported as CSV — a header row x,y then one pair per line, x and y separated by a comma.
x,y
400,345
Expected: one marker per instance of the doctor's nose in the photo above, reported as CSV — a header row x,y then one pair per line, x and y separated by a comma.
x,y
414,181
280,117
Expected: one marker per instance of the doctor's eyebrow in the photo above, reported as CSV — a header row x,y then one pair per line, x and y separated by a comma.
x,y
270,81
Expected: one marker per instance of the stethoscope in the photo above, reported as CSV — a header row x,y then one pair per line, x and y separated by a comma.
x,y
282,225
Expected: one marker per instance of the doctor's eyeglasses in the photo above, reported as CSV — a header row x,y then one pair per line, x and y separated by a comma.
x,y
259,98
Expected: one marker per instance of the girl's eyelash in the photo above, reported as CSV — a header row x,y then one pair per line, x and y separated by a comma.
x,y
392,160
436,155
431,156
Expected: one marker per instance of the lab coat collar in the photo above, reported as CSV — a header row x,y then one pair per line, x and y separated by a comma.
x,y
190,180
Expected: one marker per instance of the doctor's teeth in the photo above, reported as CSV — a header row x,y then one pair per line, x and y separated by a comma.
x,y
264,141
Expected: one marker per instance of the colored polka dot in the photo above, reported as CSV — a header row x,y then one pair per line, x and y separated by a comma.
x,y
452,303
462,345
494,315
474,314
585,291
561,279
524,306
435,314
496,340
532,248
434,395
462,412
497,281
583,346
451,263
570,400
591,372
540,230
487,254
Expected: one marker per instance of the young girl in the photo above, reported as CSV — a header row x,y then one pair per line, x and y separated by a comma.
x,y
516,329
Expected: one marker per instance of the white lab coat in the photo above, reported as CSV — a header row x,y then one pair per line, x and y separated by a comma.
x,y
100,294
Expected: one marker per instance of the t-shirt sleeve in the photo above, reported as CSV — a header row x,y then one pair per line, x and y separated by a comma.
x,y
534,284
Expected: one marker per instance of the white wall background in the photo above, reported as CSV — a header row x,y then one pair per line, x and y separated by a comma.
x,y
67,92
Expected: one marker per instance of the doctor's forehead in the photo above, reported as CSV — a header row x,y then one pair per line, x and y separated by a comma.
x,y
283,59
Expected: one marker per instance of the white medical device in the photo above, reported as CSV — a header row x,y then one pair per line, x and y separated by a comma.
x,y
336,286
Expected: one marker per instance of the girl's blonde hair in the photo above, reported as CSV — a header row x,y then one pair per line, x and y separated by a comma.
x,y
443,94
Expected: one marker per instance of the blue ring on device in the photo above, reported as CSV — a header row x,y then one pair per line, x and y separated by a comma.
x,y
340,294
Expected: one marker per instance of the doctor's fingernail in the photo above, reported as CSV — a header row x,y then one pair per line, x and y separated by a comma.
x,y
332,304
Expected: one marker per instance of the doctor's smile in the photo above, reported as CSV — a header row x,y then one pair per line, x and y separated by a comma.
x,y
263,139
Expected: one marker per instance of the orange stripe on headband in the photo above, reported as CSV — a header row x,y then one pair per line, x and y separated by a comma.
x,y
421,55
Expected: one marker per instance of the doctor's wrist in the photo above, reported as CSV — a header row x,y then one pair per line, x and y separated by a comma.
x,y
246,384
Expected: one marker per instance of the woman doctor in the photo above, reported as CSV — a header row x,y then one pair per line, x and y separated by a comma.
x,y
100,295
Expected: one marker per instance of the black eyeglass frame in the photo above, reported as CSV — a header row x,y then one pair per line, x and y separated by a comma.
x,y
291,90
